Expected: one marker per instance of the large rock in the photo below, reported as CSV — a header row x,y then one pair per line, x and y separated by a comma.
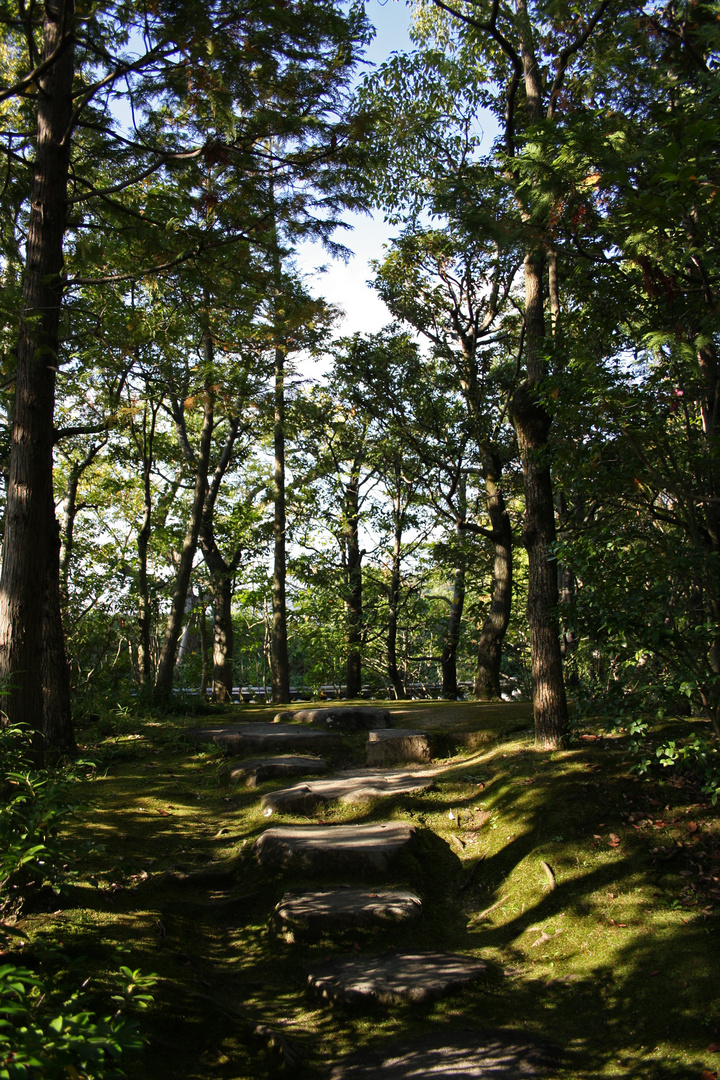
x,y
310,914
394,977
389,747
349,788
339,717
254,771
324,849
256,738
457,1055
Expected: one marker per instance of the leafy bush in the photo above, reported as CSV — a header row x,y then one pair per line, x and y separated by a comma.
x,y
47,1025
32,804
65,1038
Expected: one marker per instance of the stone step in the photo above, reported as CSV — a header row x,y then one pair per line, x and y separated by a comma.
x,y
256,738
254,771
389,747
394,977
348,788
310,914
457,1055
326,849
339,717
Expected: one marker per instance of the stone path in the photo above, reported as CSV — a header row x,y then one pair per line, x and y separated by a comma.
x,y
330,853
348,788
310,914
339,717
462,1055
256,738
328,849
254,771
389,747
394,977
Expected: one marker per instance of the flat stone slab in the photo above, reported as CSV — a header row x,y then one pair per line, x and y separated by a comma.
x,y
248,738
349,788
254,771
457,1055
393,977
301,914
328,848
387,747
340,717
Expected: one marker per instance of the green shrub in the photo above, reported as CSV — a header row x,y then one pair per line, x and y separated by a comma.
x,y
48,1027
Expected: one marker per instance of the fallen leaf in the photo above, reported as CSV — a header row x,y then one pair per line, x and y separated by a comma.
x,y
708,1075
596,837
655,972
692,826
713,1048
614,840
163,813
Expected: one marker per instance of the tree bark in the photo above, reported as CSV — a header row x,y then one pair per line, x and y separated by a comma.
x,y
280,668
353,571
143,540
69,515
492,635
394,593
30,493
58,735
532,425
448,659
221,578
166,662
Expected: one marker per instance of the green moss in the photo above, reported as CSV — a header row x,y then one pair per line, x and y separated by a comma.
x,y
615,964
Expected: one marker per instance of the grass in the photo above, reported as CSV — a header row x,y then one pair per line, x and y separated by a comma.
x,y
616,965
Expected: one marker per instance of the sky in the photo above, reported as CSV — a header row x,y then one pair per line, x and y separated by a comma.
x,y
345,285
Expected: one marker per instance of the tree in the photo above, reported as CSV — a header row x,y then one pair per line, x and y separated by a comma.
x,y
217,93
455,292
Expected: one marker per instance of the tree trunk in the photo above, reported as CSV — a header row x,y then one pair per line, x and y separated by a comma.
x,y
144,609
223,641
205,669
279,646
221,578
394,596
448,660
166,662
487,680
30,493
354,586
532,424
58,734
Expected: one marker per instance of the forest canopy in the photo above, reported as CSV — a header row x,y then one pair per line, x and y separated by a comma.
x,y
514,488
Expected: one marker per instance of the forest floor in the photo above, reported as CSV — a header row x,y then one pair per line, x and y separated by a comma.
x,y
616,965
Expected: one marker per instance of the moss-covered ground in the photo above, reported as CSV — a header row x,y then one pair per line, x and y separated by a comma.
x,y
617,964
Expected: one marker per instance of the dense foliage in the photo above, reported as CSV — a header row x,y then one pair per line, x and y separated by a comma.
x,y
555,257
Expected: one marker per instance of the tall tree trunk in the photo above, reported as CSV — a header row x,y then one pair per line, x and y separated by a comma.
x,y
279,645
166,662
58,734
143,540
448,659
354,585
70,513
532,425
492,635
394,594
221,578
30,492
